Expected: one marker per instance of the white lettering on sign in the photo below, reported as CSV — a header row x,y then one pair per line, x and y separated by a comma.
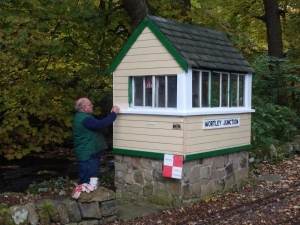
x,y
221,122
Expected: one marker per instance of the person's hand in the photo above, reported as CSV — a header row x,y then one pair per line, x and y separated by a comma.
x,y
115,109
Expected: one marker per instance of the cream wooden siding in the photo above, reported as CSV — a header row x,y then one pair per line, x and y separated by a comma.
x,y
120,92
199,140
132,133
147,56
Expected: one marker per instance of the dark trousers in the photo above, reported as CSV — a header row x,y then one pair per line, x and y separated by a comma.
x,y
88,169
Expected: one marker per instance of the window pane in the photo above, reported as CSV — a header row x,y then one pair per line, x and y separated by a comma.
x,y
138,91
224,90
241,90
172,91
195,89
234,90
216,90
148,91
205,89
160,98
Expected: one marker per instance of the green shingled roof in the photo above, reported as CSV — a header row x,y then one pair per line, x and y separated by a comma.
x,y
191,45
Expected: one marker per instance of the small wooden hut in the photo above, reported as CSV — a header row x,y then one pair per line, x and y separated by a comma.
x,y
183,90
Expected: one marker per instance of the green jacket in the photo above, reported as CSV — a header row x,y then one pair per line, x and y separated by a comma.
x,y
86,142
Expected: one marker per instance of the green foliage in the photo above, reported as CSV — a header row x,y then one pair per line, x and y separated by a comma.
x,y
53,53
273,124
45,186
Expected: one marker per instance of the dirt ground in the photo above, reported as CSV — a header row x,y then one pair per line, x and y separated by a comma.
x,y
263,202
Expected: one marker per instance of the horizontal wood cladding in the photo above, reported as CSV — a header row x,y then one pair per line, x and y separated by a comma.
x,y
198,140
228,135
148,133
215,132
149,71
156,134
148,65
151,57
155,147
216,145
147,56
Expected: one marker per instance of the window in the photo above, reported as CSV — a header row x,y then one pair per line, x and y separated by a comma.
x,y
237,90
220,90
217,89
200,89
155,91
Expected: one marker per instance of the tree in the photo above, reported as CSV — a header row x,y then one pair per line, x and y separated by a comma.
x,y
137,10
273,25
54,52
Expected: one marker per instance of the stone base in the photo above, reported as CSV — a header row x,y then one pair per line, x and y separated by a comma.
x,y
140,178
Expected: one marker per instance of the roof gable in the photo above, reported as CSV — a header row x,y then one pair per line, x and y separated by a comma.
x,y
190,45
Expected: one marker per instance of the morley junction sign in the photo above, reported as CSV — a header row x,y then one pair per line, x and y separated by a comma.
x,y
221,122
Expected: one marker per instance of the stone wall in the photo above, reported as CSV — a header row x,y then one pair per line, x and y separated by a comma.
x,y
140,178
97,207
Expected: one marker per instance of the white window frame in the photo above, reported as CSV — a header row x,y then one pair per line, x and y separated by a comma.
x,y
154,92
185,98
238,90
229,89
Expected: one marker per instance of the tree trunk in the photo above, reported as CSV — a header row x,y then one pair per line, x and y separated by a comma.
x,y
274,32
136,9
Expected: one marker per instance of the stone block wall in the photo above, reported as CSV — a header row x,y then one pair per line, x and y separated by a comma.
x,y
140,178
97,207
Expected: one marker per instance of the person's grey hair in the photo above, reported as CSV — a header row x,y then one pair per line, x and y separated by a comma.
x,y
80,105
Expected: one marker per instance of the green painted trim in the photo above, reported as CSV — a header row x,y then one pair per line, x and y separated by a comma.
x,y
230,91
187,157
138,153
217,152
129,91
211,88
147,22
168,45
128,45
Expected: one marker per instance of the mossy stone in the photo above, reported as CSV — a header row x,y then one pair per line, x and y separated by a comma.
x,y
5,215
53,213
43,213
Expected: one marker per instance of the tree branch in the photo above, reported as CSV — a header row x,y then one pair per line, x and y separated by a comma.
x,y
263,18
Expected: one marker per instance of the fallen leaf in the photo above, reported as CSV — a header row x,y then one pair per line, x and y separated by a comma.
x,y
207,199
214,199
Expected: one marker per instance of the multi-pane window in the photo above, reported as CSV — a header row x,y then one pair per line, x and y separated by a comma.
x,y
217,89
200,89
155,91
237,90
220,89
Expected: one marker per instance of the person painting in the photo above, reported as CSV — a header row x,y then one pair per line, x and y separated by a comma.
x,y
89,143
